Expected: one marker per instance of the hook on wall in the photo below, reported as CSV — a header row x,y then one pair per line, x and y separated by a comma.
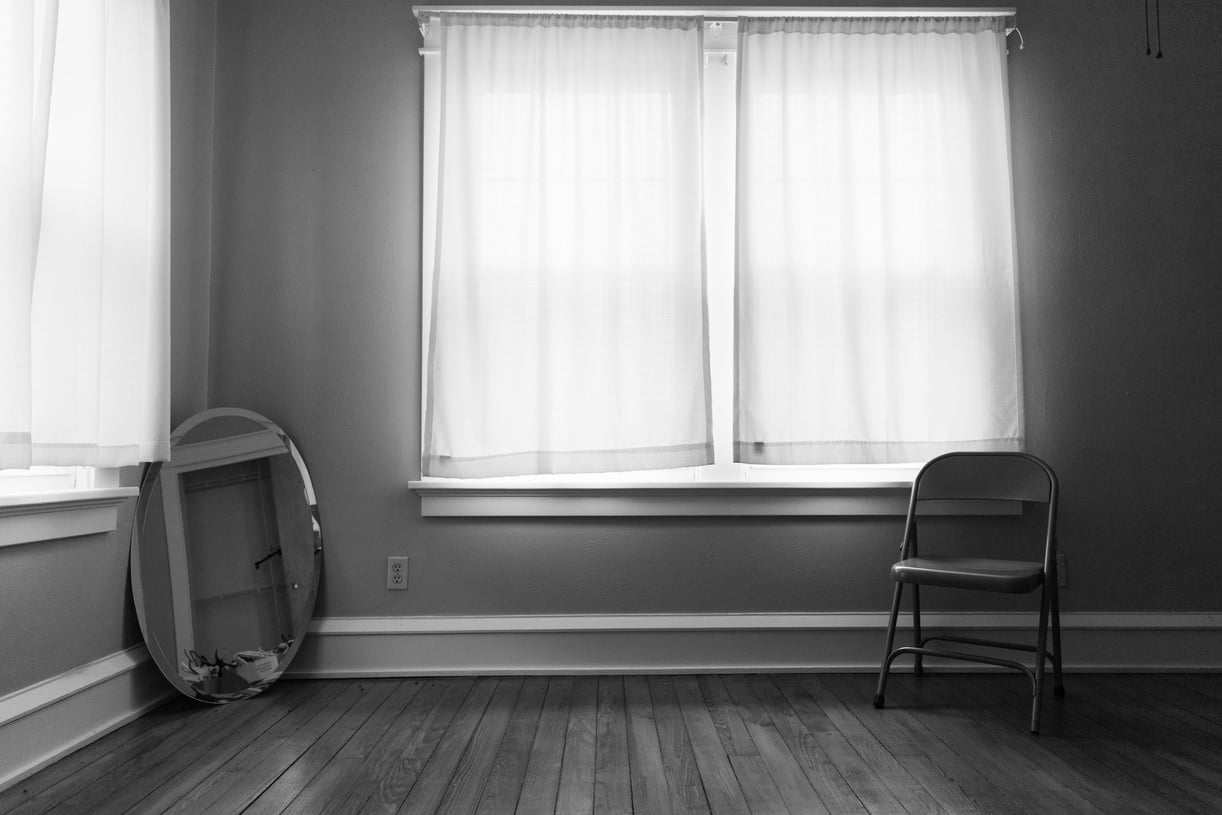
x,y
1014,30
1158,28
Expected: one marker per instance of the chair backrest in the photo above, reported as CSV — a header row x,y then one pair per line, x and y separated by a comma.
x,y
986,476
997,476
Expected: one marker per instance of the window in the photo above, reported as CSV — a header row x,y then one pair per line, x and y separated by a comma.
x,y
761,415
84,263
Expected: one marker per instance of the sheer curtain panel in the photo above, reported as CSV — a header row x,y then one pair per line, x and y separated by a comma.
x,y
875,261
568,325
84,221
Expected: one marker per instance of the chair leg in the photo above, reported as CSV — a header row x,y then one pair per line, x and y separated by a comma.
x,y
880,694
1040,647
918,667
1058,686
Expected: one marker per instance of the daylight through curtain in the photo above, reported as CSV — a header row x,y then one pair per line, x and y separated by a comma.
x,y
84,225
875,302
568,327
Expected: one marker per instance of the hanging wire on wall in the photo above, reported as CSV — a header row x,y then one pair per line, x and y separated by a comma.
x,y
1158,29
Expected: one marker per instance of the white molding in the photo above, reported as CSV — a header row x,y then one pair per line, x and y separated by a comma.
x,y
706,643
33,517
46,721
470,499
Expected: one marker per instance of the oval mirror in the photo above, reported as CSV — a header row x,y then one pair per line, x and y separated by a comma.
x,y
225,557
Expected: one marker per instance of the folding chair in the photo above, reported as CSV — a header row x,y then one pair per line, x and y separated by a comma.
x,y
981,476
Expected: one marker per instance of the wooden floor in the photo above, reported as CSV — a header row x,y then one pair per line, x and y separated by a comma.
x,y
717,744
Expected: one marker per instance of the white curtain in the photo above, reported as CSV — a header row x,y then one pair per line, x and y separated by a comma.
x,y
84,226
568,325
875,242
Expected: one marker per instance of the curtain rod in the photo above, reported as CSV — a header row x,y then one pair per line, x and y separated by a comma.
x,y
723,13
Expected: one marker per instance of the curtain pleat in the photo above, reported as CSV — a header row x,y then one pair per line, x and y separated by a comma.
x,y
875,262
85,209
568,325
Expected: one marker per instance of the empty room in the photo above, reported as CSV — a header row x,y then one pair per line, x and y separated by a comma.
x,y
503,408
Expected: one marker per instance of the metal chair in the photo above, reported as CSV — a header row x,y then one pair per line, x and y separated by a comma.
x,y
981,476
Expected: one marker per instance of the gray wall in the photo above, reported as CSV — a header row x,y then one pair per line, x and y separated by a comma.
x,y
314,323
64,603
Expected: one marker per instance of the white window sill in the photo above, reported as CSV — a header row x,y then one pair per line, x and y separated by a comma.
x,y
53,515
473,499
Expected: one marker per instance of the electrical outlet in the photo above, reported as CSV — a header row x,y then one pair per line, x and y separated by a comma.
x,y
396,574
1060,571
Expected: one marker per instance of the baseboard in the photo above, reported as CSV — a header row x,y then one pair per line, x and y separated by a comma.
x,y
704,643
48,720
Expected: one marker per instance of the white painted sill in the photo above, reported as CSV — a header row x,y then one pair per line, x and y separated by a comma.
x,y
53,515
445,498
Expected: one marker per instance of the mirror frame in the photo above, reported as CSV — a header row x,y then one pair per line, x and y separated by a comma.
x,y
152,476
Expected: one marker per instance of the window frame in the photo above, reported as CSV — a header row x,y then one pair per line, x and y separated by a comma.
x,y
720,489
55,503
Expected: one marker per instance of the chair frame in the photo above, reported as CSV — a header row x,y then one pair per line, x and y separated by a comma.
x,y
1050,611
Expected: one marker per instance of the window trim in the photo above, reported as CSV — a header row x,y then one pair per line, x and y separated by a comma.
x,y
458,498
716,492
55,515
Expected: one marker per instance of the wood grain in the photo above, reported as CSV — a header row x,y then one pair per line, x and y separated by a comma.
x,y
780,744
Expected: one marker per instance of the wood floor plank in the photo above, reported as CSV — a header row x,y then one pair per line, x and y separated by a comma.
x,y
334,781
924,793
366,772
80,768
757,787
746,745
465,784
542,780
426,794
648,776
251,771
1129,752
575,792
926,751
987,735
721,787
724,715
156,781
294,779
1168,743
396,784
1110,788
612,783
791,781
684,788
1001,737
1207,684
161,729
1178,694
818,767
1198,730
873,793
508,772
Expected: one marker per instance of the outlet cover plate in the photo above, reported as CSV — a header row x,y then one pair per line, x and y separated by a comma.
x,y
396,574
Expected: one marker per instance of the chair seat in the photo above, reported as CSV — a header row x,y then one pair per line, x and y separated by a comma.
x,y
985,574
